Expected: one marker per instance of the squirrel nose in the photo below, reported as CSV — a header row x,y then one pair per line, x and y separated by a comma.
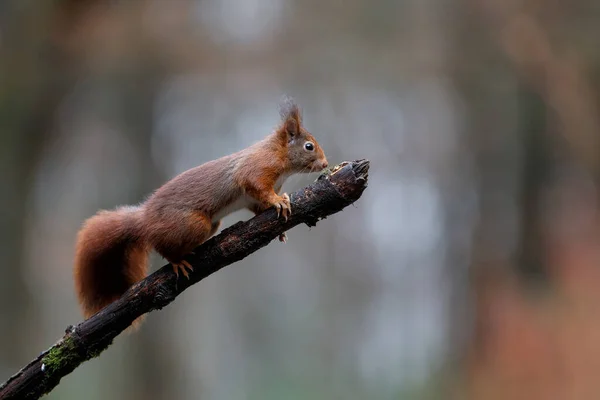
x,y
325,164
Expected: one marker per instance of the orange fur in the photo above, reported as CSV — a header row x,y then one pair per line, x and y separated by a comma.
x,y
110,257
113,246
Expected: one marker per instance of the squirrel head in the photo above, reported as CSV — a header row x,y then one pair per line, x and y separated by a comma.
x,y
303,151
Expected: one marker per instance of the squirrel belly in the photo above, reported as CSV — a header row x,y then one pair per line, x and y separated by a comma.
x,y
240,203
111,256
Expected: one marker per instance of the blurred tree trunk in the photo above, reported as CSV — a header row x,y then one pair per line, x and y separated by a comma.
x,y
535,145
42,70
529,107
34,78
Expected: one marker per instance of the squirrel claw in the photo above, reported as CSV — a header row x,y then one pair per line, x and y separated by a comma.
x,y
187,265
181,266
283,207
283,238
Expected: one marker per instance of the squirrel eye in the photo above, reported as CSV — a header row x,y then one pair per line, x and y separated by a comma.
x,y
309,146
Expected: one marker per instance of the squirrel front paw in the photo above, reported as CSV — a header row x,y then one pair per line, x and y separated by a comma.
x,y
283,206
181,266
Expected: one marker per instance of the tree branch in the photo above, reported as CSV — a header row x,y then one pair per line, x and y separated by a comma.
x,y
333,191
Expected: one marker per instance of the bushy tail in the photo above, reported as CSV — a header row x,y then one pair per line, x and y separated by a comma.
x,y
111,256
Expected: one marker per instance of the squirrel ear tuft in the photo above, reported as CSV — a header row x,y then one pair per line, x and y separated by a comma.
x,y
291,127
290,114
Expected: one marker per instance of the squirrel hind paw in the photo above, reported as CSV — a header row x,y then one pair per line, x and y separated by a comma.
x,y
181,266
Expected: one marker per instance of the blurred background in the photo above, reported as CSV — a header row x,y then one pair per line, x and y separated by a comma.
x,y
470,267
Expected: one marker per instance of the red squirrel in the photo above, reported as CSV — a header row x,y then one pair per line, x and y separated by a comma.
x,y
113,246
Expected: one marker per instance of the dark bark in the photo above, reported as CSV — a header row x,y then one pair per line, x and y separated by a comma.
x,y
332,192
